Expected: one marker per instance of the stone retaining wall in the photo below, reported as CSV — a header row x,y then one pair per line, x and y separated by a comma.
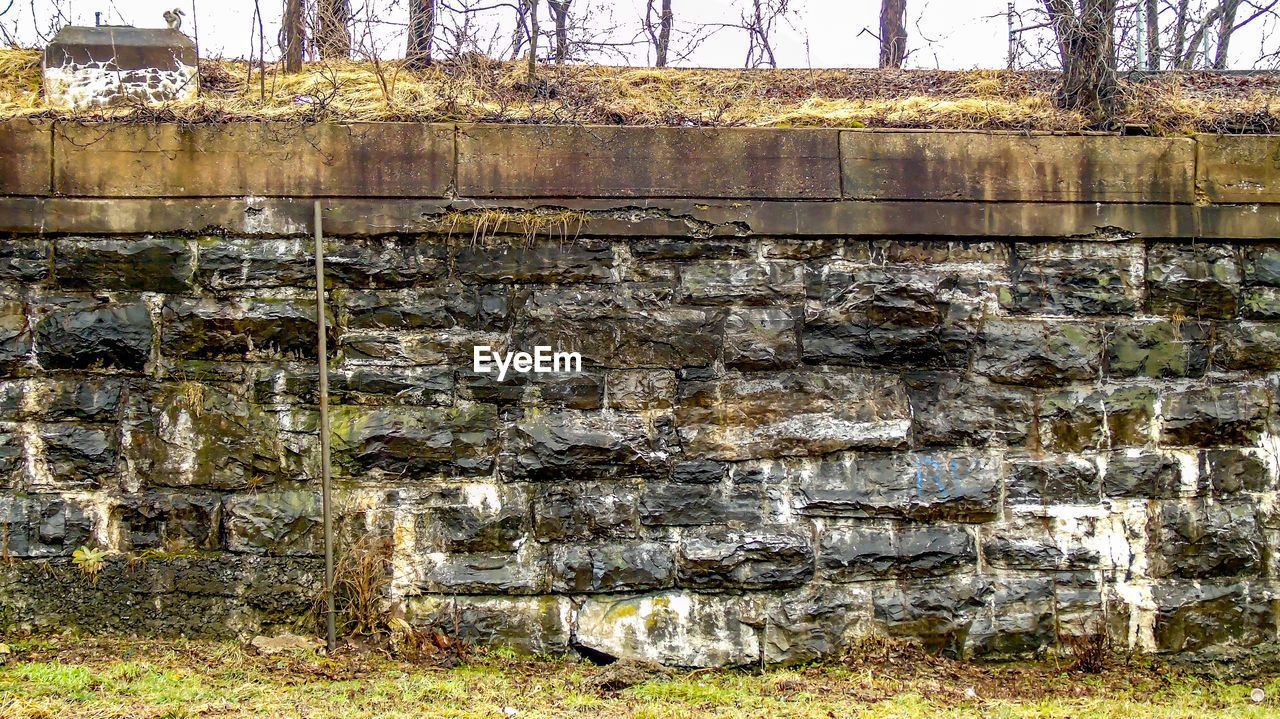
x,y
782,439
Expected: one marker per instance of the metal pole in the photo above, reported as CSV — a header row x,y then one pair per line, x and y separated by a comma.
x,y
327,508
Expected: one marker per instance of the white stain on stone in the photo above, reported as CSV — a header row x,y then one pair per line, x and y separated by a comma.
x,y
100,84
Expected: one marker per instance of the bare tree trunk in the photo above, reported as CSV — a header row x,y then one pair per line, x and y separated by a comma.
x,y
659,35
1226,27
1087,47
333,36
760,35
521,32
893,33
293,35
1180,34
1199,37
422,31
532,6
1153,34
560,15
664,33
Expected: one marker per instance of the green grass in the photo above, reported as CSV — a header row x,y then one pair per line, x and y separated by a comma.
x,y
110,678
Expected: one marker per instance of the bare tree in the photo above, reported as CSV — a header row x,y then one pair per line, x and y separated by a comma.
x,y
1152,9
531,13
560,16
422,32
1087,49
659,35
893,33
1226,26
759,20
333,36
293,35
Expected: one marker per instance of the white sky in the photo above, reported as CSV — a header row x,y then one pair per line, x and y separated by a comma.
x,y
947,34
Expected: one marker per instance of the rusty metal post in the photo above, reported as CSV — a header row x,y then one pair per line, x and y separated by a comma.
x,y
326,505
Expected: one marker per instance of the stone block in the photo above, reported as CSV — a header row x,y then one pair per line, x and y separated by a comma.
x,y
1260,303
1262,265
95,399
241,263
45,525
988,167
1076,278
1216,415
761,338
848,553
901,318
486,518
168,521
612,331
572,511
1191,616
790,413
1053,543
117,336
938,613
1038,353
1193,281
636,390
1105,418
676,628
571,390
1236,169
24,262
529,625
1159,349
1197,540
757,558
1247,347
193,434
242,329
601,161
414,442
576,261
614,567
284,523
693,505
814,621
523,572
738,282
143,265
919,486
1146,475
423,308
27,145
699,472
951,409
1231,471
385,261
1021,624
1064,479
583,445
355,159
75,456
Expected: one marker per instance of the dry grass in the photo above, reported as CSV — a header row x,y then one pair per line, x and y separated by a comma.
x,y
479,90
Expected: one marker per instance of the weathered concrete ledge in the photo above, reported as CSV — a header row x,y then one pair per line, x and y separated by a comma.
x,y
443,160
260,178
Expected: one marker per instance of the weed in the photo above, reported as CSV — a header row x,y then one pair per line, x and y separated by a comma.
x,y
90,562
1091,649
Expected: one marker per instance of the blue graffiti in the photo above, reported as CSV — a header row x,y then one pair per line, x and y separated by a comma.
x,y
937,476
